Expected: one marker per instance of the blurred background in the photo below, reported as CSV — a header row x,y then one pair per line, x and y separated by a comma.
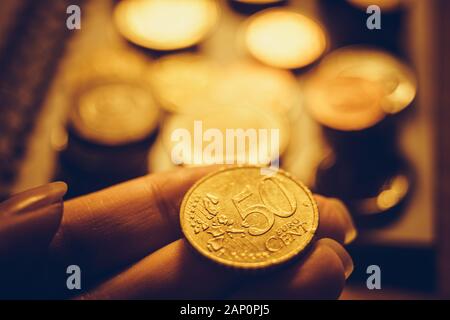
x,y
362,113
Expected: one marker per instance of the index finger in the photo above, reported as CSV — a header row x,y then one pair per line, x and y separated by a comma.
x,y
121,224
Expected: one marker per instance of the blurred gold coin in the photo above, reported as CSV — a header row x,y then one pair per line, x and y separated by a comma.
x,y
233,135
385,5
258,1
397,80
113,63
344,103
166,24
258,86
183,82
114,113
284,39
240,218
193,84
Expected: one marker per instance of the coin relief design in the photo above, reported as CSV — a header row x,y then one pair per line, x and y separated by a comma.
x,y
241,218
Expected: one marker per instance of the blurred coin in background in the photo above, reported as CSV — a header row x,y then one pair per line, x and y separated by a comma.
x,y
258,86
158,159
112,63
193,84
244,118
284,39
111,126
182,83
166,24
354,88
114,113
259,1
344,103
396,78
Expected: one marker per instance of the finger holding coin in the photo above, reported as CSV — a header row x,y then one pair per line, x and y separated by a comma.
x,y
150,206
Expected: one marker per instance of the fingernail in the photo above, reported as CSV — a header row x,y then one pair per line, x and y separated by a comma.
x,y
31,232
33,199
350,230
346,260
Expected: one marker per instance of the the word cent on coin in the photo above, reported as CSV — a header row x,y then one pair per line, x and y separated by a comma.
x,y
240,218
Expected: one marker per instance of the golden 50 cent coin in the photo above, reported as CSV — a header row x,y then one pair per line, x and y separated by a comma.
x,y
240,218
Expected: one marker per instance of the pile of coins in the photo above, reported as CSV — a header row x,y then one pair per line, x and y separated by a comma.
x,y
167,99
113,120
355,93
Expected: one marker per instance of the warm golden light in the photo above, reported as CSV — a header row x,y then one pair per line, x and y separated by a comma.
x,y
193,84
345,103
254,85
165,24
284,39
182,82
398,81
394,193
115,113
258,1
231,118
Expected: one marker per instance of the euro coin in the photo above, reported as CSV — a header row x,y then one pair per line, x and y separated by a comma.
x,y
240,218
114,113
166,24
233,135
284,39
397,80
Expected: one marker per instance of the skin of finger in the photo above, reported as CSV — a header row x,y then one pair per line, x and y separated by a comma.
x,y
334,219
24,241
123,223
176,272
173,272
320,275
25,234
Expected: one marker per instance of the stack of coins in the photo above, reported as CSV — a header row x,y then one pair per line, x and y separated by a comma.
x,y
112,122
355,94
244,95
239,218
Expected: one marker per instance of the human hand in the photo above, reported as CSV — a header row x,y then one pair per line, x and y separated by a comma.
x,y
127,241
